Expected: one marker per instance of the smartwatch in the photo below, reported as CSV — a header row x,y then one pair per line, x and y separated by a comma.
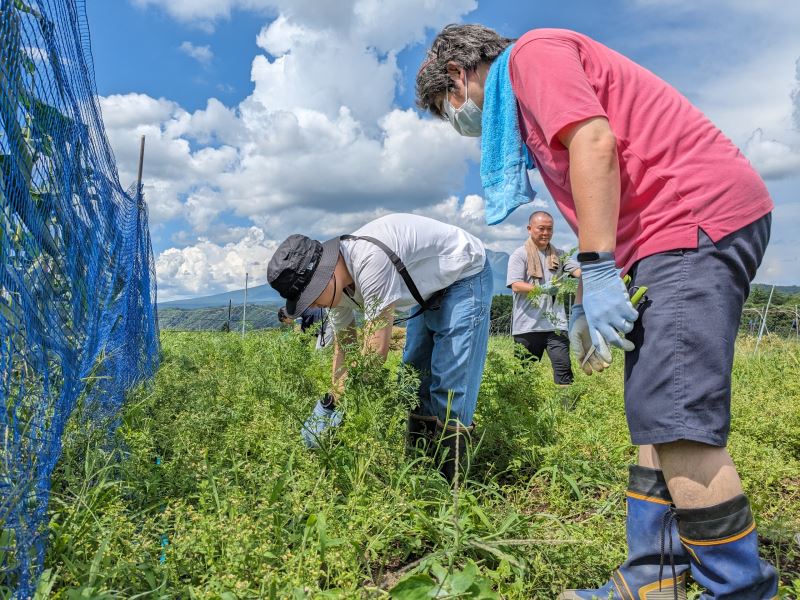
x,y
593,257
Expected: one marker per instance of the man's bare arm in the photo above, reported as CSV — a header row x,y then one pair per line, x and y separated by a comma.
x,y
522,287
379,339
594,177
345,338
376,341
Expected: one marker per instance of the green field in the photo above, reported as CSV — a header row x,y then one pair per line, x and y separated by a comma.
x,y
207,492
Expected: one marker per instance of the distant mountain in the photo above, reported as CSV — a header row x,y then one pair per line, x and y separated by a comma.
x,y
783,289
259,316
259,294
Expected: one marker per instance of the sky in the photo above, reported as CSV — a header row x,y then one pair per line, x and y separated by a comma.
x,y
270,117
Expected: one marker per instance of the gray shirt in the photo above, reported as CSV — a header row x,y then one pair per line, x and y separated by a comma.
x,y
527,315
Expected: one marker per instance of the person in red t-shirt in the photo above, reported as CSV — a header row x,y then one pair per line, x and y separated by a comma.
x,y
652,189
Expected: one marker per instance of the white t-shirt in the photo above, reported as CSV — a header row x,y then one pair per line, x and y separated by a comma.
x,y
436,255
535,315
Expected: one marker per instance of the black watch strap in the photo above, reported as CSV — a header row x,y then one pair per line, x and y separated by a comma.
x,y
593,257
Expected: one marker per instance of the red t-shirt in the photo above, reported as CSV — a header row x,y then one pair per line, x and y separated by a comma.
x,y
678,171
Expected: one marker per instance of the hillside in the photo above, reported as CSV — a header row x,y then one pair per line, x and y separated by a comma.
x,y
786,290
257,295
259,316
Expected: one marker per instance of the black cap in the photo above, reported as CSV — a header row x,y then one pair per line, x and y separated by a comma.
x,y
300,270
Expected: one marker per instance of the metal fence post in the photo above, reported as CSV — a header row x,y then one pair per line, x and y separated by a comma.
x,y
764,320
244,308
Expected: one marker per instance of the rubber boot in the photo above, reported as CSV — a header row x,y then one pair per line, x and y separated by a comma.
x,y
419,435
452,446
723,546
653,571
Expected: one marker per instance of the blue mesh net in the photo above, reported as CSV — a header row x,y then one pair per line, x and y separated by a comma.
x,y
77,286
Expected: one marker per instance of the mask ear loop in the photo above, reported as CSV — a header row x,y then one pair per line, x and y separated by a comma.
x,y
466,96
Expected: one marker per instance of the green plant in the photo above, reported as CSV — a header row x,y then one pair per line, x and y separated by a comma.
x,y
210,458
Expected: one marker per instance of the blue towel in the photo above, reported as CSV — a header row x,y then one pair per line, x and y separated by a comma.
x,y
504,158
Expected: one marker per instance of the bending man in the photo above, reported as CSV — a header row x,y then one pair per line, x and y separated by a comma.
x,y
400,262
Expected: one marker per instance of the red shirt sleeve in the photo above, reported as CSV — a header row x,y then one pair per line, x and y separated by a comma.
x,y
549,82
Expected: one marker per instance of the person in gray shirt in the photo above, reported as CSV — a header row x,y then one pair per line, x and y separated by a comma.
x,y
540,323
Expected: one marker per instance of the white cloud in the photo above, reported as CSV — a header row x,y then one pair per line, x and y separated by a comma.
x,y
503,237
796,96
201,54
318,131
736,60
773,159
172,168
318,146
206,267
204,13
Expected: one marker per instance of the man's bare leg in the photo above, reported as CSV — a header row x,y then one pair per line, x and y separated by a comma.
x,y
698,475
648,457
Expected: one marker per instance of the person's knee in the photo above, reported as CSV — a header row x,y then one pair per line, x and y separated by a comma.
x,y
688,457
680,447
698,474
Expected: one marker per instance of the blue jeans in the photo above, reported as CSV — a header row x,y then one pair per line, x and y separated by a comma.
x,y
448,349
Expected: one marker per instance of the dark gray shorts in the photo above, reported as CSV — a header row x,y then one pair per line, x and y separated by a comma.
x,y
678,379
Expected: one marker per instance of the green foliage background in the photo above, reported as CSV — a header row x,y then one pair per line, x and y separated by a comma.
x,y
207,492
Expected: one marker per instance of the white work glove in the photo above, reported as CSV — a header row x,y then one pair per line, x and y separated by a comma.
x,y
580,341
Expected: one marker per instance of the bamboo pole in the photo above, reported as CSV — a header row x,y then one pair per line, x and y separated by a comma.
x,y
141,165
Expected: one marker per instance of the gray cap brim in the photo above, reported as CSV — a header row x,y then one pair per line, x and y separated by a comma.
x,y
319,281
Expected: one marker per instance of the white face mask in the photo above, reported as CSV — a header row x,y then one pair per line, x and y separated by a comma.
x,y
467,119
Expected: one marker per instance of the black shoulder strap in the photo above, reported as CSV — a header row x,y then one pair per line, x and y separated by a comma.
x,y
401,269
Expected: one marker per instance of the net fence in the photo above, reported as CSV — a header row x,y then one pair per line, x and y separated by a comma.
x,y
77,287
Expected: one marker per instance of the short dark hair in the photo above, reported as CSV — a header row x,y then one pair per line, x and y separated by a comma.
x,y
467,45
540,212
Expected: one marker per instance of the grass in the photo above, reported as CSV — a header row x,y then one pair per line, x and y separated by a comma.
x,y
207,492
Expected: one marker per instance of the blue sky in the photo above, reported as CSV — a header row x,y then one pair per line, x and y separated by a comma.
x,y
267,117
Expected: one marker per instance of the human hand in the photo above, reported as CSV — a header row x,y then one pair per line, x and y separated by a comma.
x,y
323,418
549,288
607,306
592,357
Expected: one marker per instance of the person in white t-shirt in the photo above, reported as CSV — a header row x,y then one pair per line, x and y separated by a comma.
x,y
446,336
540,323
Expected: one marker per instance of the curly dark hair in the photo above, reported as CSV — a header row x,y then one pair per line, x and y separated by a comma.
x,y
466,45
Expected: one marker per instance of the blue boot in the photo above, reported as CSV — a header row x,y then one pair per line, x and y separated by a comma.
x,y
656,568
723,546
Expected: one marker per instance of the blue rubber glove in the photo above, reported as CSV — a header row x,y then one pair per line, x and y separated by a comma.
x,y
607,304
319,423
548,288
591,357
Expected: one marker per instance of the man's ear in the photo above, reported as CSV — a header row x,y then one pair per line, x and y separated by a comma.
x,y
455,71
